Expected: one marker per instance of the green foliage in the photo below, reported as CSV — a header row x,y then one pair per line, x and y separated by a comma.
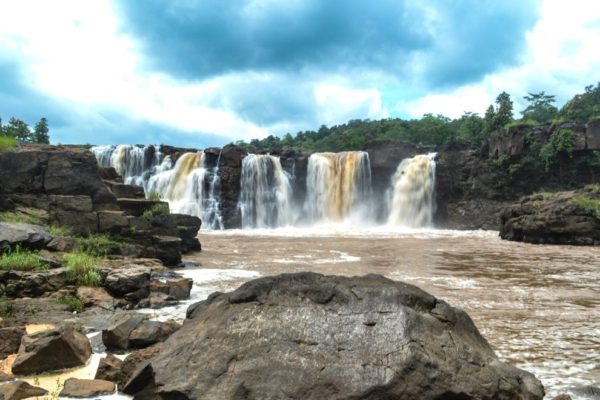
x,y
81,269
155,210
593,187
520,123
19,259
72,302
587,203
540,108
582,106
20,217
7,142
155,196
503,160
97,244
40,132
59,231
20,132
6,307
559,146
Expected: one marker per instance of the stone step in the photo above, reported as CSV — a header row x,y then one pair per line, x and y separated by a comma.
x,y
136,207
121,190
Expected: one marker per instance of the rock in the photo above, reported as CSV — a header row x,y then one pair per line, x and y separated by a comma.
x,y
157,300
52,350
136,207
562,397
184,226
127,279
117,335
177,287
589,391
553,218
592,135
10,340
305,335
86,388
123,191
168,249
151,332
18,390
26,236
62,243
231,172
109,368
79,203
95,296
5,377
135,361
112,222
33,284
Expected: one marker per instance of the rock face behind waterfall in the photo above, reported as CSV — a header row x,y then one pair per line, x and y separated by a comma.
x,y
309,336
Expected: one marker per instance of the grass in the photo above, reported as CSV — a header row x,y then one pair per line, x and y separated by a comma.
x,y
59,231
157,209
81,269
20,217
6,307
153,196
21,260
590,205
521,122
593,187
72,302
7,142
97,244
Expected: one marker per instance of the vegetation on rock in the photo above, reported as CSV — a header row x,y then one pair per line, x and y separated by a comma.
x,y
155,210
18,131
20,260
72,302
82,269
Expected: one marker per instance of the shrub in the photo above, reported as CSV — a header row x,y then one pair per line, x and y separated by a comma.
x,y
21,260
155,210
7,142
72,302
590,205
99,245
81,269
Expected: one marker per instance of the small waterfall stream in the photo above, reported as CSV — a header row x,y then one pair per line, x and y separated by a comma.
x,y
134,163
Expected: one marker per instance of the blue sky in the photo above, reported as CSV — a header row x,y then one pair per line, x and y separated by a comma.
x,y
205,73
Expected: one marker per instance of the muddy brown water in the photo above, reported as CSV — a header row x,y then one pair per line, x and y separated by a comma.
x,y
537,305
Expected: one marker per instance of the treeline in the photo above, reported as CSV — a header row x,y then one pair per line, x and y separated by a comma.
x,y
20,131
436,130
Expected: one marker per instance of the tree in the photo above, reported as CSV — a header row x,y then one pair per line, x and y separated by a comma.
x,y
40,132
504,110
18,129
540,108
583,106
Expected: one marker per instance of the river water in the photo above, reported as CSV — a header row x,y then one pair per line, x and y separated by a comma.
x,y
537,305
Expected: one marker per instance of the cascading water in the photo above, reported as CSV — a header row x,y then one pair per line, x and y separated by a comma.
x,y
266,193
411,198
135,164
190,189
338,185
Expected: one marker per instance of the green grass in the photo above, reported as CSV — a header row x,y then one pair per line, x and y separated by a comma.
x,y
593,187
157,209
21,260
521,122
6,307
590,205
72,302
20,217
7,142
97,244
81,269
153,196
59,231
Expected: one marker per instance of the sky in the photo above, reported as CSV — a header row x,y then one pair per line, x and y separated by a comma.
x,y
210,72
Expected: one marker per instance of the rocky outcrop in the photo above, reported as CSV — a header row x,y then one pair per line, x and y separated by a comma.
x,y
231,172
134,332
556,218
18,390
109,368
32,284
81,388
311,336
26,236
10,340
52,350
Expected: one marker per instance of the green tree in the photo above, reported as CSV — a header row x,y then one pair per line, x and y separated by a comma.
x,y
471,128
18,129
583,106
504,110
40,132
540,108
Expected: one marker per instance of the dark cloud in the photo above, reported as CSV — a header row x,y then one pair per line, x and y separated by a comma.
x,y
200,39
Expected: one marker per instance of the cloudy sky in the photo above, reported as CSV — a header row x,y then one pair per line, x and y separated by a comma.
x,y
208,72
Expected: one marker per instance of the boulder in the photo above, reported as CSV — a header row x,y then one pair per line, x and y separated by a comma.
x,y
79,222
79,388
553,218
136,361
18,390
33,284
136,207
157,300
52,350
5,377
62,243
128,279
109,368
168,249
134,332
309,336
117,335
112,222
95,296
177,287
26,236
10,340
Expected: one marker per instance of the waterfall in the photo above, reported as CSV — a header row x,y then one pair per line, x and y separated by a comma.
x,y
411,199
190,188
337,184
135,164
266,193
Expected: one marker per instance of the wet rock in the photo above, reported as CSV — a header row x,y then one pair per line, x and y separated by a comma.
x,y
176,287
117,335
589,391
157,300
168,249
109,368
81,388
18,390
562,397
553,218
27,236
10,340
307,335
151,332
127,279
52,350
135,361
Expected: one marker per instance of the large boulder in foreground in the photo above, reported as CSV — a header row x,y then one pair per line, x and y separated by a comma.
x,y
571,217
310,336
52,350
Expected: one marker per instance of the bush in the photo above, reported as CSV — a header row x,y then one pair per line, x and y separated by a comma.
x,y
7,142
99,245
155,210
590,205
20,217
81,269
72,302
20,260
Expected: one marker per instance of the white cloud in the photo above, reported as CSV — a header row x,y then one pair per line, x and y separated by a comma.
x,y
562,58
